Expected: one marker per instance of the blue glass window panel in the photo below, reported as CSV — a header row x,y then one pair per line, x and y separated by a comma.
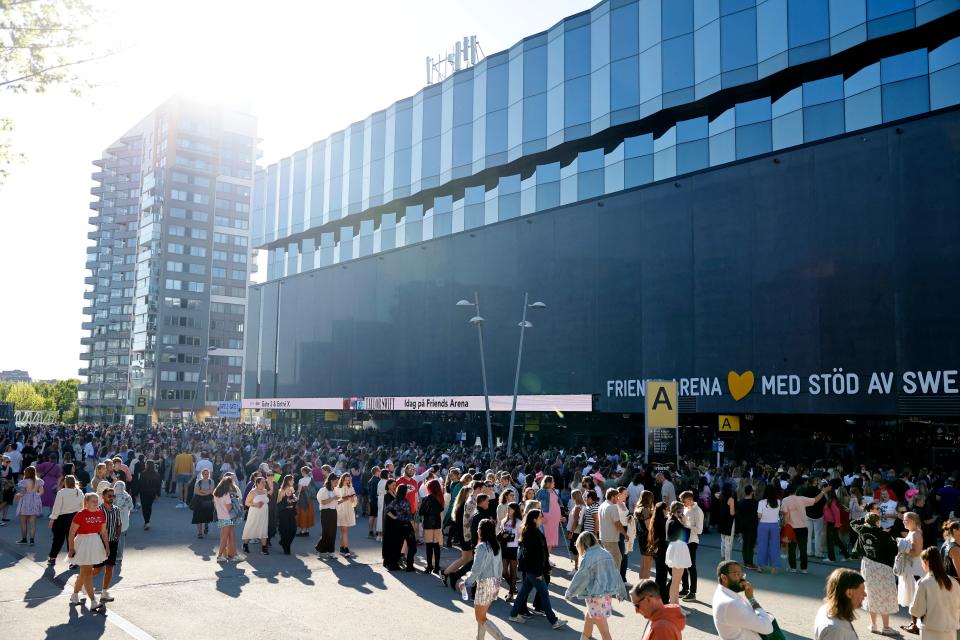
x,y
515,80
863,110
508,206
401,170
677,59
788,130
431,157
903,66
695,129
590,184
846,14
738,40
753,111
509,184
624,31
905,98
568,190
723,147
590,160
788,102
676,17
462,145
535,117
704,12
284,202
866,78
497,87
576,44
270,217
692,156
649,23
823,120
548,195
548,173
809,21
514,126
462,103
625,83
665,163
599,41
946,55
928,10
732,6
613,177
555,54
555,98
430,124
753,139
650,74
823,90
636,146
534,71
666,140
945,87
403,131
706,43
879,8
724,122
496,141
600,93
771,28
890,24
576,101
637,171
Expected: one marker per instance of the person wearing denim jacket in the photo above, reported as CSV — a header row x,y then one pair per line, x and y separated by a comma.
x,y
597,580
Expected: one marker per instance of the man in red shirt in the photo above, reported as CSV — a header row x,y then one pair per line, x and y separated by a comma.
x,y
666,621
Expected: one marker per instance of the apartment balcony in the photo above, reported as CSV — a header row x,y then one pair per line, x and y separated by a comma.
x,y
86,325
96,205
87,311
90,280
88,295
85,371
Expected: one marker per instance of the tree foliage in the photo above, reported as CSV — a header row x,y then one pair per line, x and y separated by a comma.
x,y
61,396
42,42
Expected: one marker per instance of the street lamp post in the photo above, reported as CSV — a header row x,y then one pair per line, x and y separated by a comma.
x,y
477,320
524,324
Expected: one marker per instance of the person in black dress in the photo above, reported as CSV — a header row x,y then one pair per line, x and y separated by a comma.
x,y
400,530
287,513
660,544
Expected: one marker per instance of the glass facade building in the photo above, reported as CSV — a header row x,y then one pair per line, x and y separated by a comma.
x,y
698,189
169,264
625,94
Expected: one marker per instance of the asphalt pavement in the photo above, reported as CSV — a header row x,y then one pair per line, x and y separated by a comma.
x,y
170,586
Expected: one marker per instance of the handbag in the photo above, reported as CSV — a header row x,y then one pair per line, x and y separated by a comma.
x,y
776,634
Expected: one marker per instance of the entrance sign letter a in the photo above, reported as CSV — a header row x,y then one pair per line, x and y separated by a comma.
x,y
661,404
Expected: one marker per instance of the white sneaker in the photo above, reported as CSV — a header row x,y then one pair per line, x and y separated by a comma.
x,y
180,505
105,596
559,624
74,599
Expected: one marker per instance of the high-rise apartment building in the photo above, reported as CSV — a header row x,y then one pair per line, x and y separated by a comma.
x,y
170,264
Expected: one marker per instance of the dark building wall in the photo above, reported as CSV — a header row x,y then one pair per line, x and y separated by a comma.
x,y
842,254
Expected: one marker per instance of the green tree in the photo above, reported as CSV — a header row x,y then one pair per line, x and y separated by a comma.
x,y
42,42
25,397
4,390
64,394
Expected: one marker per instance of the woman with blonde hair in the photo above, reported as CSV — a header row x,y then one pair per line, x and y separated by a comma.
x,y
67,504
908,566
346,512
485,574
461,534
678,555
29,503
937,600
597,582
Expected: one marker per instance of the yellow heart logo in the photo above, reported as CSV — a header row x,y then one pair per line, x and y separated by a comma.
x,y
740,384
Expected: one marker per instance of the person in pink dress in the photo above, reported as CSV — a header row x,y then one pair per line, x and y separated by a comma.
x,y
550,506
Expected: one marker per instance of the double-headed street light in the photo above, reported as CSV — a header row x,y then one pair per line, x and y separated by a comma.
x,y
478,321
524,324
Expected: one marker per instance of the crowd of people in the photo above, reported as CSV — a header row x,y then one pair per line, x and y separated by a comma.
x,y
507,517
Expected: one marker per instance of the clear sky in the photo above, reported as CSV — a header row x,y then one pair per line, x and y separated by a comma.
x,y
307,67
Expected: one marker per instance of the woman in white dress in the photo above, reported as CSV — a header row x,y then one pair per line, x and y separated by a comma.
x,y
257,517
911,548
381,491
346,513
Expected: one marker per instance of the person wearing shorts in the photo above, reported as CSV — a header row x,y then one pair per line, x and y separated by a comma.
x,y
114,529
183,473
597,582
485,574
